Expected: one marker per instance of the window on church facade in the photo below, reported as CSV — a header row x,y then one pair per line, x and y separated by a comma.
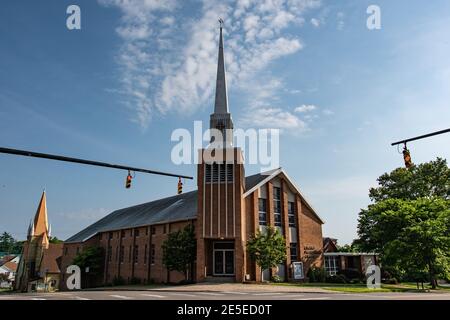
x,y
293,251
109,253
145,254
121,253
331,265
152,254
136,254
277,206
291,214
262,203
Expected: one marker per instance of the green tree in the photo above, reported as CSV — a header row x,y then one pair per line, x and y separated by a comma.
x,y
9,245
413,236
267,249
55,240
430,179
92,258
180,250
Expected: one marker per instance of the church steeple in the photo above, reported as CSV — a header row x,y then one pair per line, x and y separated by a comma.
x,y
40,224
221,118
221,102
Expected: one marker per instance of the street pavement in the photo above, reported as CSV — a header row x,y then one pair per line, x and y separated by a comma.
x,y
221,295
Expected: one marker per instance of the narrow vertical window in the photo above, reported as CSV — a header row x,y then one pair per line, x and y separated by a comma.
x,y
293,252
262,211
152,254
277,206
291,214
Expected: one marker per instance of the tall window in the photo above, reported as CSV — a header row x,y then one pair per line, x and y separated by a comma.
x,y
332,265
121,253
291,214
109,253
152,254
262,203
153,230
129,254
293,251
111,235
145,254
277,206
122,234
136,254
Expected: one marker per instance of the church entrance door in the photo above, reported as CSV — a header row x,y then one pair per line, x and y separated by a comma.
x,y
223,259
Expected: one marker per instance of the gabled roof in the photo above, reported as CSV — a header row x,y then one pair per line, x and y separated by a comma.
x,y
50,257
260,179
176,208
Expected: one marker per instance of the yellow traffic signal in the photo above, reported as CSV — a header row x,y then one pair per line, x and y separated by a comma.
x,y
180,186
407,157
128,181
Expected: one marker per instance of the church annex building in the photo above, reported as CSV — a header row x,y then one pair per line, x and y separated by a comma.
x,y
227,209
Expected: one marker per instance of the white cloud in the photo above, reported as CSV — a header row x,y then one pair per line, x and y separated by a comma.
x,y
328,112
305,108
340,20
168,64
274,118
315,22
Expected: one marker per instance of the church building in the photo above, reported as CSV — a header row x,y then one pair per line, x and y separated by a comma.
x,y
226,210
38,268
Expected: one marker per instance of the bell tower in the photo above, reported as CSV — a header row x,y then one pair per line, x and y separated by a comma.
x,y
220,180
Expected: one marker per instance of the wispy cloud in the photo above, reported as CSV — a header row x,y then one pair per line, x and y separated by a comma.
x,y
168,63
305,108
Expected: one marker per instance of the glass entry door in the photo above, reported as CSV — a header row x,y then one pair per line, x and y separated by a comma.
x,y
223,259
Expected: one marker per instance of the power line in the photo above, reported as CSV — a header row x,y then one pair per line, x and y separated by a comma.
x,y
86,162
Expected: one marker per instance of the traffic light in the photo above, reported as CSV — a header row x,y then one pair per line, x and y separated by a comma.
x,y
180,186
128,181
407,157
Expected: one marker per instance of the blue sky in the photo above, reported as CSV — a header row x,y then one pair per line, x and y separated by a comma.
x,y
116,89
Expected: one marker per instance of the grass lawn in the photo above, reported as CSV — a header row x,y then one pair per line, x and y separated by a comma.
x,y
3,290
362,288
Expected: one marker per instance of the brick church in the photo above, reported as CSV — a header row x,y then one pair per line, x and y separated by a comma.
x,y
226,210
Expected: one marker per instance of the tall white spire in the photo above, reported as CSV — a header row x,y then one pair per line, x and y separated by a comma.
x,y
221,118
221,101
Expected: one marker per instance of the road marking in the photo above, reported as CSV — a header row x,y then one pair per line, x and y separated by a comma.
x,y
120,297
153,295
80,298
266,294
211,293
316,298
291,296
38,299
182,294
234,292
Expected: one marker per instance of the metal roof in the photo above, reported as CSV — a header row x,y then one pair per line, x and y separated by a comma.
x,y
175,208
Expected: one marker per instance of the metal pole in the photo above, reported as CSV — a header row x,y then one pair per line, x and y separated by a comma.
x,y
87,162
421,137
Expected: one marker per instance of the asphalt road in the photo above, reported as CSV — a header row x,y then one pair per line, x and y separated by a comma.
x,y
219,295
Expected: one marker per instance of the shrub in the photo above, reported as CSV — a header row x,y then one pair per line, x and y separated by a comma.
x,y
351,274
316,274
276,278
118,281
339,278
135,280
